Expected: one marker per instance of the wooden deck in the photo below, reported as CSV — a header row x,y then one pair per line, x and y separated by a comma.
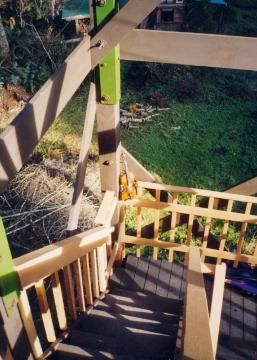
x,y
238,339
139,317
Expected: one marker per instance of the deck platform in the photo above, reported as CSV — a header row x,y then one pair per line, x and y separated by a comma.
x,y
238,339
139,317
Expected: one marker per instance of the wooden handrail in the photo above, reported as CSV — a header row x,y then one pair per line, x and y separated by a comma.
x,y
197,340
199,192
41,263
196,210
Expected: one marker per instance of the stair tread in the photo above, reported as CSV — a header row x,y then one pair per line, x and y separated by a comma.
x,y
108,323
71,352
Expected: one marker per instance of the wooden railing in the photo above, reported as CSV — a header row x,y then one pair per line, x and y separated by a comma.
x,y
239,209
66,277
200,328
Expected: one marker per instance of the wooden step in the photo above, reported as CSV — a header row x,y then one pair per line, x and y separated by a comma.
x,y
144,300
129,346
106,323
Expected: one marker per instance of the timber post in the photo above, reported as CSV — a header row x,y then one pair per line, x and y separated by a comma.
x,y
108,110
14,342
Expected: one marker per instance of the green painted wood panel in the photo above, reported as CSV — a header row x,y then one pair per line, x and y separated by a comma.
x,y
9,283
109,68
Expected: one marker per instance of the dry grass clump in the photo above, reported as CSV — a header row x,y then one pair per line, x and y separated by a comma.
x,y
35,207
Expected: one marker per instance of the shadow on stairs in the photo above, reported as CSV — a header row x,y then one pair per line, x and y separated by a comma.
x,y
136,320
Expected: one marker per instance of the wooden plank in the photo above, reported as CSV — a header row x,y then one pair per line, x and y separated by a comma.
x,y
156,225
207,228
216,304
41,263
175,280
45,311
128,239
5,351
164,278
140,173
71,302
87,279
152,275
139,227
114,31
237,315
196,312
58,300
222,51
200,192
248,187
28,323
250,319
224,231
20,137
242,234
95,281
190,226
79,285
173,227
14,340
101,268
107,209
141,273
83,158
108,128
197,211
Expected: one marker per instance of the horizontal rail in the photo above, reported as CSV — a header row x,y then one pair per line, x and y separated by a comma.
x,y
199,192
197,211
197,339
41,263
221,51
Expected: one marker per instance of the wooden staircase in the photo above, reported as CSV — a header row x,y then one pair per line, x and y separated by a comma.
x,y
127,324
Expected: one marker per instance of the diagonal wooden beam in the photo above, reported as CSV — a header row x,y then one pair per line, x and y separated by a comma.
x,y
221,51
20,138
115,30
83,158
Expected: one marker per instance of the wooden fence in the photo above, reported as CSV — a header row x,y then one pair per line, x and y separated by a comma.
x,y
238,210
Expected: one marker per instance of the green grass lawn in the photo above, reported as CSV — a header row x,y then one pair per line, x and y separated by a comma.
x,y
215,147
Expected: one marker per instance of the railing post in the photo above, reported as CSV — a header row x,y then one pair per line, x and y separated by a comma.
x,y
107,111
14,342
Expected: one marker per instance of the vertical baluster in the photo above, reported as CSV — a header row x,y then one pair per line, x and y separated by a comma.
x,y
207,228
70,292
122,229
58,300
244,225
173,226
101,269
28,322
89,296
45,311
139,225
156,225
79,285
190,226
224,232
94,273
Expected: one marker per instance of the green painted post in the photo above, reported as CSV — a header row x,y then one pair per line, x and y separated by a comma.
x,y
109,68
9,283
